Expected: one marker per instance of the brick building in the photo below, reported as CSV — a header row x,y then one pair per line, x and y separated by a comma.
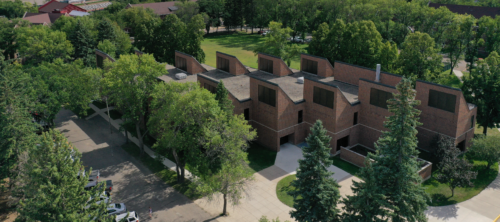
x,y
283,103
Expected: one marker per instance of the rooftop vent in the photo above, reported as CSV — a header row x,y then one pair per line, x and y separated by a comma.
x,y
300,80
180,76
173,8
377,73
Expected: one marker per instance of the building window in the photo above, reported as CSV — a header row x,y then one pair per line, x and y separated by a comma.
x,y
100,61
379,98
246,113
266,65
310,66
355,121
472,122
210,88
300,116
267,96
442,100
223,64
323,97
181,63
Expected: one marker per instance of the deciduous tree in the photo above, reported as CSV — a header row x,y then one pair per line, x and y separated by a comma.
x,y
486,149
221,95
482,88
39,43
129,83
316,193
84,44
455,171
418,57
457,36
107,47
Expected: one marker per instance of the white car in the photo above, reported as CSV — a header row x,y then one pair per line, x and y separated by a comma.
x,y
117,208
103,197
265,33
94,175
128,217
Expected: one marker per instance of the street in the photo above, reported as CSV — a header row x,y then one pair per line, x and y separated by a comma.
x,y
134,184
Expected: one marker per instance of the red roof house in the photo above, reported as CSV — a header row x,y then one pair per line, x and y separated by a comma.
x,y
59,7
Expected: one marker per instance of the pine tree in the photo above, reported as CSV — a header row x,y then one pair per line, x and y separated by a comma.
x,y
364,204
51,189
221,96
316,193
84,44
395,163
106,30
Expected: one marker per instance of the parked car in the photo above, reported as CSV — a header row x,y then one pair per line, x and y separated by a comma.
x,y
265,33
42,126
297,39
103,197
94,175
117,208
108,184
131,216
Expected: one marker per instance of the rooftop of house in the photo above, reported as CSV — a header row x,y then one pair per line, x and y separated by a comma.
x,y
476,11
171,75
159,8
238,86
53,5
41,18
348,90
289,84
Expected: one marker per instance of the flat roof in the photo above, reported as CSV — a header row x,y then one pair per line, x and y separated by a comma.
x,y
348,90
288,84
238,86
171,75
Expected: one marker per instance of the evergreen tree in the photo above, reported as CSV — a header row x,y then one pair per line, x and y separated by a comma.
x,y
84,44
221,95
395,163
364,204
316,193
51,189
106,30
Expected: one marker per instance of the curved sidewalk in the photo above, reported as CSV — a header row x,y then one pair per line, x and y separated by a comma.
x,y
483,207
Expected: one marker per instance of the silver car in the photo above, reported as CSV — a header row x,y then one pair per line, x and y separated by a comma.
x,y
117,208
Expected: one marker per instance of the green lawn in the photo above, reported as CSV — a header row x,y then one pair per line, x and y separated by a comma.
x,y
167,175
283,187
344,165
260,157
441,193
114,114
240,45
490,132
450,80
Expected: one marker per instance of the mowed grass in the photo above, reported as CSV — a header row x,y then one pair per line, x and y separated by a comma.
x,y
240,45
282,190
490,132
441,193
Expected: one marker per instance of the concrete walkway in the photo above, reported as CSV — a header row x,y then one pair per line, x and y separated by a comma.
x,y
484,207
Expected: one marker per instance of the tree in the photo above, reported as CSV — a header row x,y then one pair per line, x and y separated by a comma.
x,y
214,10
8,35
129,83
16,9
481,88
122,41
361,44
221,95
455,171
51,189
418,57
39,43
486,149
193,36
233,13
180,111
17,134
187,10
58,84
395,162
107,47
388,57
276,43
457,36
84,44
106,30
364,204
138,19
316,193
226,170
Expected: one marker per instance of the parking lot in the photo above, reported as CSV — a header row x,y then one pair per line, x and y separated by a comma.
x,y
133,183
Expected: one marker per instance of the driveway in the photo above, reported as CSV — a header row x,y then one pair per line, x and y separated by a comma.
x,y
134,184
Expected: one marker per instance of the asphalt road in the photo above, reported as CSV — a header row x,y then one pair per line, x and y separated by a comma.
x,y
133,183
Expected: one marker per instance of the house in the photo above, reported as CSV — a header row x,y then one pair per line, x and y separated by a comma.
x,y
283,103
476,11
54,6
42,18
162,9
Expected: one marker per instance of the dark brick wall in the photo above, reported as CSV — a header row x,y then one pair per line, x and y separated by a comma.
x,y
279,67
325,69
235,66
351,74
193,66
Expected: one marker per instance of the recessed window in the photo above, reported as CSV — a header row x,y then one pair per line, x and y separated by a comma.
x,y
246,113
300,116
355,121
266,65
223,64
442,100
267,95
323,97
210,88
100,61
379,98
309,66
181,63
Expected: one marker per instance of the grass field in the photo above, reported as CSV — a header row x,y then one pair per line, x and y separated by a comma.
x,y
283,187
240,45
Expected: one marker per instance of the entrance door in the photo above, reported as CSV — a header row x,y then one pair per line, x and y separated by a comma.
x,y
344,142
284,140
461,146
